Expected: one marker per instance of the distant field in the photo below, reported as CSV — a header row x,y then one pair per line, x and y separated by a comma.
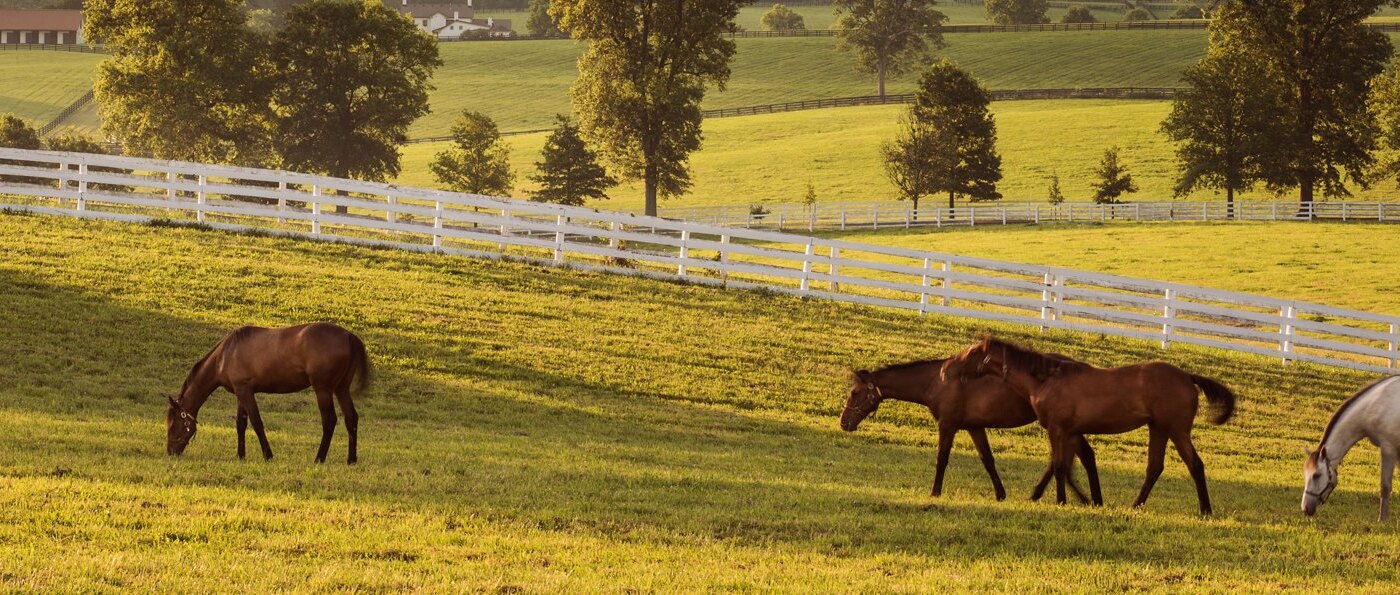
x,y
522,84
528,81
1299,260
771,158
35,85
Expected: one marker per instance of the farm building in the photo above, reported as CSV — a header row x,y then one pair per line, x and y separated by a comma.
x,y
450,21
41,26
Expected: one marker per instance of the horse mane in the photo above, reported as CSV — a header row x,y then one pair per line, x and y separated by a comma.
x,y
1332,423
913,364
1040,365
229,340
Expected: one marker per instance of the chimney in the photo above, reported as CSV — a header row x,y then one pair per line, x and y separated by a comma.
x,y
456,16
405,2
490,22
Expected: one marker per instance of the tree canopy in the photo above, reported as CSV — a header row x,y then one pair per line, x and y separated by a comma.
x,y
888,36
570,173
478,162
540,23
1018,12
1222,122
949,142
350,78
641,79
1325,56
184,79
1113,179
1078,13
782,18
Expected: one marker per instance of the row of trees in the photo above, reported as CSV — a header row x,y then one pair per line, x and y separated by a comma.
x,y
479,162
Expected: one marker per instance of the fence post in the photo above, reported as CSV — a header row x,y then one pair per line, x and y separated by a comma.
x,y
972,215
1289,314
200,199
780,219
875,217
906,217
1071,213
685,251
315,208
503,232
923,295
560,222
1137,211
1047,300
1394,341
807,265
947,283
170,186
82,186
437,223
612,241
938,217
1037,214
812,218
724,258
834,269
1168,315
389,215
1344,210
281,200
843,217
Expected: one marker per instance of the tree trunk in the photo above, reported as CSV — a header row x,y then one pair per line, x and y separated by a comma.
x,y
916,208
650,182
1229,203
880,77
1306,180
950,199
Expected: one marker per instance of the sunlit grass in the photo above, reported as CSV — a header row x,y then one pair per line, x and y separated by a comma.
x,y
545,430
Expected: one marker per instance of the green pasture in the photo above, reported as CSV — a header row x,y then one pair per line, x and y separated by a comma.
x,y
770,158
533,429
522,84
36,85
1339,264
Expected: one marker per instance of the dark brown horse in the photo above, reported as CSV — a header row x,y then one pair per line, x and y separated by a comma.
x,y
972,407
252,360
1072,399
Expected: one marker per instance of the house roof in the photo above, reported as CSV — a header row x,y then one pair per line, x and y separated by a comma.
x,y
41,20
446,8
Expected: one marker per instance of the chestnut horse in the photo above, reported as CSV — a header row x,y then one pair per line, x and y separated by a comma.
x,y
1072,399
252,359
980,404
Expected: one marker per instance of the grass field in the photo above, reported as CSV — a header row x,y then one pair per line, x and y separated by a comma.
x,y
1299,260
538,430
523,84
772,157
39,84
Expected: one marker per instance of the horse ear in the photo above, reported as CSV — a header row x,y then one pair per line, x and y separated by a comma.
x,y
173,402
1322,452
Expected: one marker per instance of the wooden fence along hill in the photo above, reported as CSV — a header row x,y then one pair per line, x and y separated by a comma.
x,y
139,190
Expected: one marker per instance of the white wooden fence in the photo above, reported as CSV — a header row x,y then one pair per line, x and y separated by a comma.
x,y
132,189
886,214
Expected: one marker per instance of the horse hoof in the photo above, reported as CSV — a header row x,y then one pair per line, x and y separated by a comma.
x,y
1001,497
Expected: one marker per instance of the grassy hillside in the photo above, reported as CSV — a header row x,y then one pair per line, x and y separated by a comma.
x,y
39,84
771,158
538,430
523,84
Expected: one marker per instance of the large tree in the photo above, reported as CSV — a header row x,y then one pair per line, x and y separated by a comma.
x,y
1113,179
889,36
350,78
950,142
19,134
782,18
1385,104
641,80
1324,55
477,162
1018,12
184,79
570,173
1222,120
540,23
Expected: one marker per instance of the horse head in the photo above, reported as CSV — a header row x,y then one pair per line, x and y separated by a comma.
x,y
1319,479
864,399
979,359
180,426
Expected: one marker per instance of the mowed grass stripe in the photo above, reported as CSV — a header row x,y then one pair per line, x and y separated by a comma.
x,y
540,429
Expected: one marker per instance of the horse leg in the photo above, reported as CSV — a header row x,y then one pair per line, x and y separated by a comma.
x,y
946,432
1091,469
327,405
1062,456
242,425
1388,457
1156,453
984,450
1193,461
352,420
249,405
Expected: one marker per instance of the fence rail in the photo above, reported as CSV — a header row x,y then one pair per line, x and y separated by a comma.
x,y
133,189
66,113
886,214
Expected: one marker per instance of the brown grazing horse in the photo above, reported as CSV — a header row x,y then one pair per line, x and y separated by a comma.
x,y
252,360
1072,399
973,407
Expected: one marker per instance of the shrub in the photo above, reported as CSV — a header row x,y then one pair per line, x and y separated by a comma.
x,y
1079,14
1137,14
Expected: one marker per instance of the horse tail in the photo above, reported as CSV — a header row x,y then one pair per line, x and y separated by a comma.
x,y
359,365
1219,396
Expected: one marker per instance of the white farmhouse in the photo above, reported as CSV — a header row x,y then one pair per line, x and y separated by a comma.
x,y
453,21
